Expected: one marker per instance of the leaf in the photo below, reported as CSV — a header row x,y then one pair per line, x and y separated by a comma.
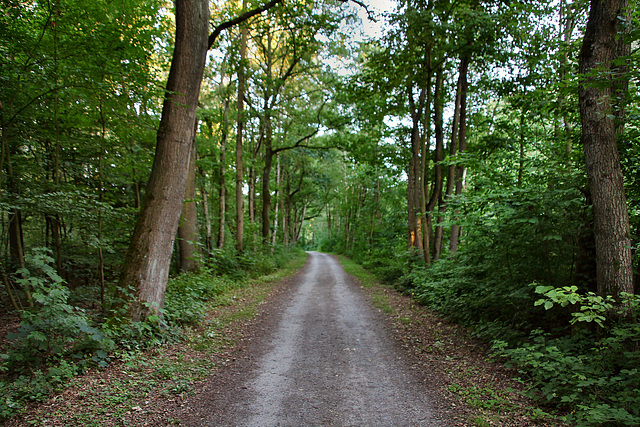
x,y
553,237
541,289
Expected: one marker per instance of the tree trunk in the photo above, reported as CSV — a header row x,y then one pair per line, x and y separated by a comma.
x,y
188,228
277,203
436,194
424,182
462,147
147,261
442,203
252,194
414,183
266,180
222,193
205,211
239,132
604,82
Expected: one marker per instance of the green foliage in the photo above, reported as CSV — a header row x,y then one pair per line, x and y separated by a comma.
x,y
592,374
592,307
188,294
54,342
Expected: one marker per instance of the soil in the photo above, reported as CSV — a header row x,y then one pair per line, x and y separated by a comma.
x,y
319,353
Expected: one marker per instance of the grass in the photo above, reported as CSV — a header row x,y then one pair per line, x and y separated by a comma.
x,y
368,281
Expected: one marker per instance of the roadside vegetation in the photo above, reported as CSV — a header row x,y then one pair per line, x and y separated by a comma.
x,y
574,354
112,367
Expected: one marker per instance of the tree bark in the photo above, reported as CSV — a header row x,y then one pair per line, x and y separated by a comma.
x,y
424,164
451,175
266,177
414,182
188,228
602,122
147,261
462,147
222,193
436,194
208,244
239,135
278,195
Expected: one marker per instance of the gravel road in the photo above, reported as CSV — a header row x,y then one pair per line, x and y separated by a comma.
x,y
324,357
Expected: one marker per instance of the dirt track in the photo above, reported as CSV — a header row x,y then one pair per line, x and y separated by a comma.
x,y
324,357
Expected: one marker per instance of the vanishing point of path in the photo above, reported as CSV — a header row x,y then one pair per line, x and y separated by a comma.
x,y
324,358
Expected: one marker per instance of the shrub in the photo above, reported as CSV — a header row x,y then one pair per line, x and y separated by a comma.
x,y
54,341
593,373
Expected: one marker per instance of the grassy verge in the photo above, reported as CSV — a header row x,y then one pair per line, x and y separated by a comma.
x,y
378,292
149,387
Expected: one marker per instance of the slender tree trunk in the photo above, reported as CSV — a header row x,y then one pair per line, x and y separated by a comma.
x,y
266,177
16,243
442,204
277,204
462,147
413,184
298,232
327,208
239,135
188,228
286,219
205,209
267,125
521,155
56,223
147,261
604,81
252,194
424,183
222,193
103,136
436,194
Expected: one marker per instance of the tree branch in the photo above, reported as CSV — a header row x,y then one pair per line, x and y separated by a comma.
x,y
364,6
250,14
297,144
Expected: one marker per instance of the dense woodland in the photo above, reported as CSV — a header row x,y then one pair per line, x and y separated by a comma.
x,y
480,155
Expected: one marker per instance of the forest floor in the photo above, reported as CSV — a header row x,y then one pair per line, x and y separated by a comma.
x,y
166,386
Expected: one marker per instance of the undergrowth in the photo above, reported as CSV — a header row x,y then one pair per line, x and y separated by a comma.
x,y
56,341
572,349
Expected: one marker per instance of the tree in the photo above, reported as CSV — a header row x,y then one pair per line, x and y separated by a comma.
x,y
146,269
147,262
601,97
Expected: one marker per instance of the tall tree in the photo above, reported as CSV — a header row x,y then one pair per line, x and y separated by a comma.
x,y
147,263
601,96
239,135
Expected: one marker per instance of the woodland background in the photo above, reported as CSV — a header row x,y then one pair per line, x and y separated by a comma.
x,y
447,155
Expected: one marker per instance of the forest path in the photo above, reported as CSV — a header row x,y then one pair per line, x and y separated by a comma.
x,y
324,356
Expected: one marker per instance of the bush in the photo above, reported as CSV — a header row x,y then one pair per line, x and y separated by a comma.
x,y
592,373
187,294
54,341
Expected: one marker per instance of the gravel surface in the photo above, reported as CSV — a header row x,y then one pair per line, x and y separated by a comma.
x,y
325,357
